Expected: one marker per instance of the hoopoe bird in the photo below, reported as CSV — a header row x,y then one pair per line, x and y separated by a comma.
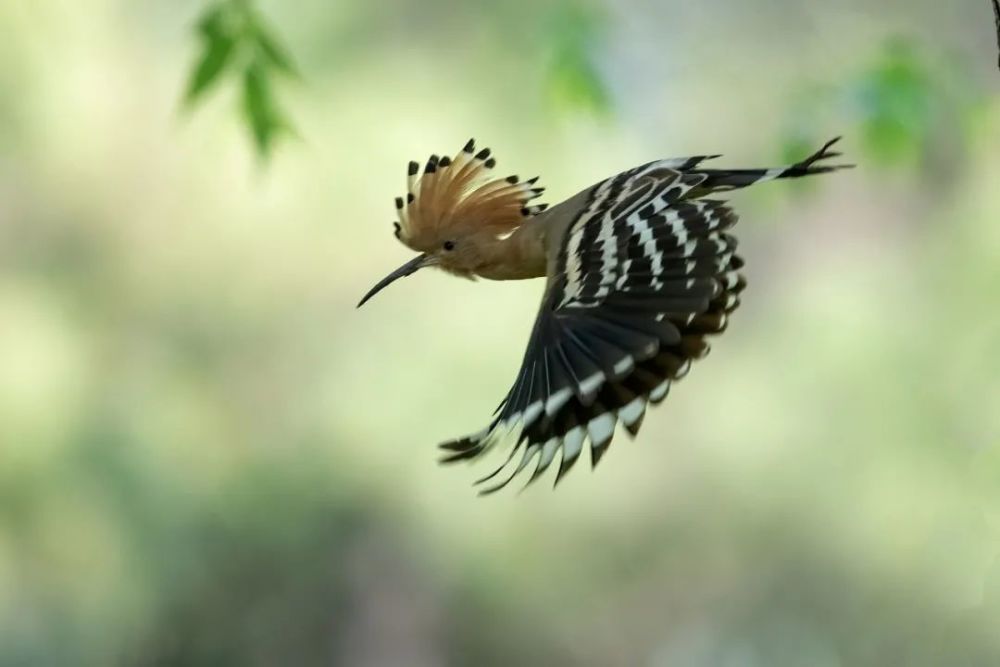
x,y
640,269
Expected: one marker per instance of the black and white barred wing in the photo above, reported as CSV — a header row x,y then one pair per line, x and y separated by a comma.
x,y
640,279
646,270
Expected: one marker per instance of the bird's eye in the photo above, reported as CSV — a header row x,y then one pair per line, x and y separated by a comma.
x,y
449,245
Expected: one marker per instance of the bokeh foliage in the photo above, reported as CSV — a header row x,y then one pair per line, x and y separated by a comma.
x,y
573,41
236,42
897,99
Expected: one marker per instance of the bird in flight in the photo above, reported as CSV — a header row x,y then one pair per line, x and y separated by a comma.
x,y
640,269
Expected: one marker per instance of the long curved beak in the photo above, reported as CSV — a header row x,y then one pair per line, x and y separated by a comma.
x,y
418,262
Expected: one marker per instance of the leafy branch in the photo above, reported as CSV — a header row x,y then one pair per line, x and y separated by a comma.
x,y
237,43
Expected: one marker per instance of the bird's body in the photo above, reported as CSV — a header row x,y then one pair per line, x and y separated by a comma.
x,y
640,269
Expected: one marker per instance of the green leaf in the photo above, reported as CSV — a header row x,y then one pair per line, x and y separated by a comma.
x,y
217,54
575,83
214,21
215,57
896,98
261,110
574,80
273,52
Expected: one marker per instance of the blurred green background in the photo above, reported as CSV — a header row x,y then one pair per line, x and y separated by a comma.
x,y
208,457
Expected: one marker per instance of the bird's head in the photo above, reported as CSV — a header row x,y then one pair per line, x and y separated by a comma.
x,y
455,212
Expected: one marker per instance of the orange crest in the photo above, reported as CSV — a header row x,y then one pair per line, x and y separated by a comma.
x,y
460,195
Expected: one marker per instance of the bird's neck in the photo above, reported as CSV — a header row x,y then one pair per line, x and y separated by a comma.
x,y
519,256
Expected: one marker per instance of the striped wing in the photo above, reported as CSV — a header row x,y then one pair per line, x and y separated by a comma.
x,y
644,273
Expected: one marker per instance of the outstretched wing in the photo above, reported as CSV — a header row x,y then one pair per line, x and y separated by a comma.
x,y
644,271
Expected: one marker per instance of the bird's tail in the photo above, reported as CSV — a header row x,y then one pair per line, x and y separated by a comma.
x,y
719,180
